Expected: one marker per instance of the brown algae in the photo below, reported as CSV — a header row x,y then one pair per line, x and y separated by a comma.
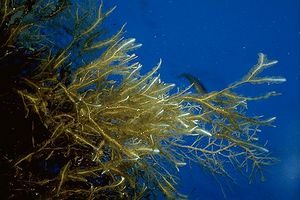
x,y
118,139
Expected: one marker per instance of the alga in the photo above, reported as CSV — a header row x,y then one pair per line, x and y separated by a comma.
x,y
101,129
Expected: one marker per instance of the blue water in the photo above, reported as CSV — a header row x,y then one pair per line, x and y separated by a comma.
x,y
218,42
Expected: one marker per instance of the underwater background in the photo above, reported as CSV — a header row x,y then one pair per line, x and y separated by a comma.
x,y
78,127
217,42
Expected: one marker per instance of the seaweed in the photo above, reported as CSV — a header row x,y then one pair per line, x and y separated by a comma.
x,y
90,135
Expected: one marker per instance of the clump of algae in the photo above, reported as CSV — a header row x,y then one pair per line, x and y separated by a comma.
x,y
119,138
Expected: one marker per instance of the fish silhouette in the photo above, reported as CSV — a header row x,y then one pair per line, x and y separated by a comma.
x,y
197,84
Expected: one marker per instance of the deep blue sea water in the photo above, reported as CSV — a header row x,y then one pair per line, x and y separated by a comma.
x,y
218,42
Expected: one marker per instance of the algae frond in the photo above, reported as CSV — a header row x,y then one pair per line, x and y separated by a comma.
x,y
119,139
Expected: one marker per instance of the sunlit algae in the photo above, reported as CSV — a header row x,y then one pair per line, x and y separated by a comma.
x,y
99,128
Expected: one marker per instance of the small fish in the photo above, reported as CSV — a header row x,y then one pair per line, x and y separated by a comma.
x,y
195,81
